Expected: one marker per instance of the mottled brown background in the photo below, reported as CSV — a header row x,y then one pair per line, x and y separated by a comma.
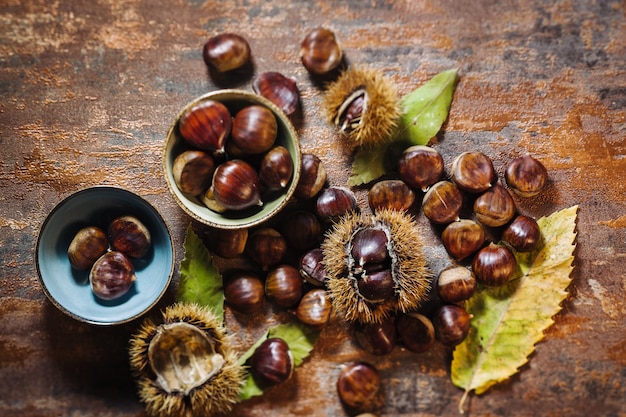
x,y
88,90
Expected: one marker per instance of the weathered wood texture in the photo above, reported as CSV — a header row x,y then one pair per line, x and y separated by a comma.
x,y
88,92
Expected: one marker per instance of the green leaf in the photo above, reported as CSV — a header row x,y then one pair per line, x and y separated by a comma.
x,y
200,281
509,320
368,164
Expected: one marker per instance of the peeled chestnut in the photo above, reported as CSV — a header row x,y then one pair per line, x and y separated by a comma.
x,y
391,194
283,285
377,338
314,308
301,229
495,207
112,275
254,131
415,331
129,235
473,172
320,51
206,126
276,168
463,238
333,202
526,176
522,234
456,284
272,362
86,247
420,166
244,292
312,267
236,185
266,247
312,176
278,89
452,323
494,265
358,384
226,52
193,171
227,243
443,202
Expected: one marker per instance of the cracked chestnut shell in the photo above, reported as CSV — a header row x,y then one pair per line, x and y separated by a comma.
x,y
130,236
112,275
87,245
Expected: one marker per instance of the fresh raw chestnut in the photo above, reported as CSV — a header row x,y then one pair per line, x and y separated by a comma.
x,y
301,229
312,267
314,308
284,285
112,275
443,202
320,51
526,176
129,235
377,286
226,52
463,238
333,202
369,247
86,247
494,265
312,177
456,284
227,243
193,171
391,194
266,247
523,234
358,384
420,166
254,131
452,323
206,126
415,331
495,207
473,172
280,90
208,199
377,338
272,362
236,185
244,292
276,168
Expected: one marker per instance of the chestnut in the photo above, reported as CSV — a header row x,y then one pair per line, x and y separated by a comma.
x,y
266,247
369,247
443,202
86,247
523,234
314,308
226,52
244,292
227,243
312,177
420,166
358,384
320,51
452,323
415,331
473,172
495,207
494,265
253,131
129,235
301,229
455,284
526,176
333,202
112,275
284,286
276,168
236,185
377,286
208,199
312,267
278,89
272,362
377,338
391,194
463,238
206,126
193,171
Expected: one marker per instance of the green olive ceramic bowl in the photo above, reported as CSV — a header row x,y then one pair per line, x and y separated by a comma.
x,y
273,203
69,289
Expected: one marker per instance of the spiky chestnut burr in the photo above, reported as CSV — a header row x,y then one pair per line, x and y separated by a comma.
x,y
406,262
364,105
185,366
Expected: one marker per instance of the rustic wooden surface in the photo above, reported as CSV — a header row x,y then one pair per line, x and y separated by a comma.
x,y
88,92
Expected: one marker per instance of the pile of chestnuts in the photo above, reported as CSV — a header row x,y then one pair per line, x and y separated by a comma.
x,y
108,255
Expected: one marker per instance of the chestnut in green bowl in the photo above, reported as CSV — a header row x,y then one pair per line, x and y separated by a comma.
x,y
271,201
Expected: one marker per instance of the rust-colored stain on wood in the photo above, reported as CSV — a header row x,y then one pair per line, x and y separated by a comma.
x,y
89,90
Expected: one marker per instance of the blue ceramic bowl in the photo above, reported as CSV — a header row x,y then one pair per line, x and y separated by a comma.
x,y
68,289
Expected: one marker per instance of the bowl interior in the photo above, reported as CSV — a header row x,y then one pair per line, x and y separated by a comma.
x,y
234,100
69,289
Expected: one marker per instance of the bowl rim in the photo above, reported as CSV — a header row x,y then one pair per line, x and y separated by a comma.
x,y
49,217
233,94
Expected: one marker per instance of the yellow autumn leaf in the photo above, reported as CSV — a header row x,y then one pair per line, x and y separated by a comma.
x,y
509,320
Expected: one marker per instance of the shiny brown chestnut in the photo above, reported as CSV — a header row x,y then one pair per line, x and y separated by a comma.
x,y
473,172
369,248
314,308
312,177
494,265
320,51
112,275
333,202
272,362
523,234
87,245
391,194
455,284
280,90
206,126
244,291
312,267
253,131
193,171
452,323
495,207
377,338
358,384
463,238
236,185
284,285
129,235
266,247
276,169
226,52
526,176
302,229
377,286
415,332
227,243
420,166
443,202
